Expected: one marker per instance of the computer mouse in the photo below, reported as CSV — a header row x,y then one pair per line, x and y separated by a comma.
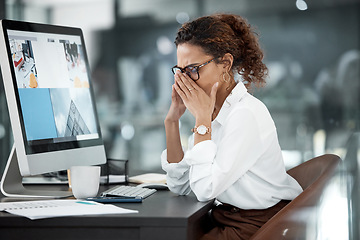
x,y
157,186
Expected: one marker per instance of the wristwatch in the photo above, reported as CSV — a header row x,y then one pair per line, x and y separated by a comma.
x,y
202,130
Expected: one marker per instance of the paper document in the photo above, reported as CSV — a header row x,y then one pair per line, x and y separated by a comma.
x,y
60,208
148,178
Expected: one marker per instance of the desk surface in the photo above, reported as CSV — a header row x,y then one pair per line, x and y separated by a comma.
x,y
162,215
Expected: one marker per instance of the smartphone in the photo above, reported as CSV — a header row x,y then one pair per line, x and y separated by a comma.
x,y
115,199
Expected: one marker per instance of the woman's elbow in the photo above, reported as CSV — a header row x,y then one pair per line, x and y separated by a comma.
x,y
178,189
203,199
202,194
181,189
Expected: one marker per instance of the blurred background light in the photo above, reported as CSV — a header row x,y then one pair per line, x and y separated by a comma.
x,y
182,17
301,5
127,131
164,45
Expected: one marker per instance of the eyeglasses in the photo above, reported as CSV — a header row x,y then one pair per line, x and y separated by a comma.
x,y
191,71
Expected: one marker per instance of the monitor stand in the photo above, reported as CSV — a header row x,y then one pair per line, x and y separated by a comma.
x,y
12,186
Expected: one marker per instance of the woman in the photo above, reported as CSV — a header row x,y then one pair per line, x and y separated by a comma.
x,y
234,155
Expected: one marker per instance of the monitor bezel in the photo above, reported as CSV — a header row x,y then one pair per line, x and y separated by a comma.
x,y
48,29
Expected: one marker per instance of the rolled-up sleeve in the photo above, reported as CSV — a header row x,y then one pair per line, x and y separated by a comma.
x,y
203,152
177,175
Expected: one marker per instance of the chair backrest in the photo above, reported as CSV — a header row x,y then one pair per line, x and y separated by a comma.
x,y
313,176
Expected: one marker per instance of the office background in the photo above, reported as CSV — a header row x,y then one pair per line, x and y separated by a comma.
x,y
312,49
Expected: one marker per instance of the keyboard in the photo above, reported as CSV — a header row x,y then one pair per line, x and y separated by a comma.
x,y
128,191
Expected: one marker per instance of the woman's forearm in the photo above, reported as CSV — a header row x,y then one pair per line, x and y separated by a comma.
x,y
173,143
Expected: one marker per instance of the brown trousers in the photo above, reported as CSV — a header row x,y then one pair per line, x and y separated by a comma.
x,y
234,223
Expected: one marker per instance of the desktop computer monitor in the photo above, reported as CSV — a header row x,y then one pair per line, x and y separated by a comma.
x,y
51,103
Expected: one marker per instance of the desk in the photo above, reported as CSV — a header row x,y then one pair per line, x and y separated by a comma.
x,y
162,215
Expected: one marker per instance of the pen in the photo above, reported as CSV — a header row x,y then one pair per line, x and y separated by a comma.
x,y
115,199
88,203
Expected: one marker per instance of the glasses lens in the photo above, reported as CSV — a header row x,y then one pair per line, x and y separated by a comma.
x,y
192,72
175,69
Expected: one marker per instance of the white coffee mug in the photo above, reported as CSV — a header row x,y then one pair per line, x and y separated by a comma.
x,y
85,181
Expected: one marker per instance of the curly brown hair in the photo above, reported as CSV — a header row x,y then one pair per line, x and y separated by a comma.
x,y
227,33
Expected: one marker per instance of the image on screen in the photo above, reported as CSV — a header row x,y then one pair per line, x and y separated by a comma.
x,y
53,87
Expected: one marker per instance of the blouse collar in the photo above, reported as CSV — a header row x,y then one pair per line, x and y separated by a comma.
x,y
236,95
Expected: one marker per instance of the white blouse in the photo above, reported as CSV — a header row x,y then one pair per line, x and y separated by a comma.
x,y
241,165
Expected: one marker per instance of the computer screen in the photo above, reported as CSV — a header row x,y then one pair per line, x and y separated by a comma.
x,y
49,92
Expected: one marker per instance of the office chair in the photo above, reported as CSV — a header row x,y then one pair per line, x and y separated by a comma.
x,y
313,176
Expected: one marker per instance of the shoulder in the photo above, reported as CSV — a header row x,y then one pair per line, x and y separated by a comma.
x,y
251,105
250,110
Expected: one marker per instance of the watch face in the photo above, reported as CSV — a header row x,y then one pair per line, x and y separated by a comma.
x,y
201,129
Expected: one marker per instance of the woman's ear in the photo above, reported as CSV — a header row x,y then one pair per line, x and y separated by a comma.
x,y
228,60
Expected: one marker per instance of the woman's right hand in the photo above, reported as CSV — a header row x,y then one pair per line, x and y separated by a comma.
x,y
177,107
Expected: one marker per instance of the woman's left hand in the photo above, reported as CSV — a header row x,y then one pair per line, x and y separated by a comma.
x,y
197,101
